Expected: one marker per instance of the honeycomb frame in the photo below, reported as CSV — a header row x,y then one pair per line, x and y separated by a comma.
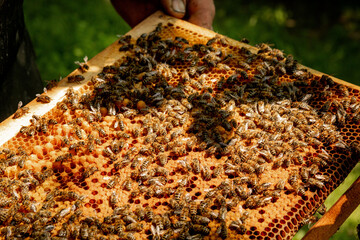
x,y
264,225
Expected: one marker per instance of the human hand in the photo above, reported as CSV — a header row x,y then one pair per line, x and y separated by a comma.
x,y
199,12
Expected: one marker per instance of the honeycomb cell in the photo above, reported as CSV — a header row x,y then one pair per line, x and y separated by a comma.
x,y
290,225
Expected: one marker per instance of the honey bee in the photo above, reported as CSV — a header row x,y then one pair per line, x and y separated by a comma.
x,y
127,185
158,222
140,212
20,111
62,106
355,148
193,208
136,132
122,135
51,84
160,171
198,228
238,226
223,66
109,153
200,219
90,146
89,171
150,138
30,131
179,151
310,220
163,159
260,188
149,214
158,147
102,132
76,146
135,162
205,172
222,230
168,234
144,165
43,125
179,224
136,227
293,178
322,209
178,194
75,78
212,41
245,167
356,116
280,185
113,182
196,84
62,213
315,182
176,134
217,171
78,132
130,236
84,231
83,67
344,91
63,157
43,98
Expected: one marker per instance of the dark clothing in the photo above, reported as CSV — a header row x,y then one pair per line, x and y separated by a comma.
x,y
19,77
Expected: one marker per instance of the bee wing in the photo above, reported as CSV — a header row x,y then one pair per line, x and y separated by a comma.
x,y
20,104
306,97
116,124
86,59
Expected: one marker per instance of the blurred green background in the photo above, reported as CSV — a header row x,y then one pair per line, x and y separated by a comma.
x,y
319,34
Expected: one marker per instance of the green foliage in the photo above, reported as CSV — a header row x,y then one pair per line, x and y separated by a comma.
x,y
66,31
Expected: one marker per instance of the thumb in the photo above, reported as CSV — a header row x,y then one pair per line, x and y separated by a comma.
x,y
175,8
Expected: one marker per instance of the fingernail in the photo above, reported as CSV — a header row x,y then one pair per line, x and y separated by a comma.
x,y
178,6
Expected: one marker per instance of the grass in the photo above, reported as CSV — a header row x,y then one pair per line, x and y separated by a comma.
x,y
64,32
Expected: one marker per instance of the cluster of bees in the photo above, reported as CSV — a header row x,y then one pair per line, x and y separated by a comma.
x,y
249,124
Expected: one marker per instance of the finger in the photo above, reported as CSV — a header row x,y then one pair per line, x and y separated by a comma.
x,y
133,12
175,8
201,12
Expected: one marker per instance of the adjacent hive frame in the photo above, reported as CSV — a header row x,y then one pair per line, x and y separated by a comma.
x,y
323,229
